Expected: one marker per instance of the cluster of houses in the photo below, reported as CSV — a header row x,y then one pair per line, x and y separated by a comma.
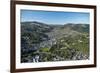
x,y
48,43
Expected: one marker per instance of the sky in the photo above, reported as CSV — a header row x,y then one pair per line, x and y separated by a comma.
x,y
53,17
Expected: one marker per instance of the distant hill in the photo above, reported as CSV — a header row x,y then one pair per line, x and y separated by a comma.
x,y
78,27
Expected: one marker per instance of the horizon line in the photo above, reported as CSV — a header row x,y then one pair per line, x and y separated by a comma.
x,y
55,23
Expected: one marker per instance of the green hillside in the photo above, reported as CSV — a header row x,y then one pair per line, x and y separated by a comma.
x,y
42,42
